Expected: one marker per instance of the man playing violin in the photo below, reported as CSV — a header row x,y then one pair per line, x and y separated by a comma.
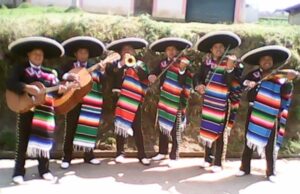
x,y
175,85
269,97
218,82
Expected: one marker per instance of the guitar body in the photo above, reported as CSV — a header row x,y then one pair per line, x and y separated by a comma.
x,y
24,103
71,98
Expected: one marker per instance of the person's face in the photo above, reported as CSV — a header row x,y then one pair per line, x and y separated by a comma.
x,y
82,54
36,56
217,50
266,62
171,52
127,49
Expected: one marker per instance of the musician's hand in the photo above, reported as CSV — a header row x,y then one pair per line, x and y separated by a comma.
x,y
152,78
32,90
184,62
72,85
102,66
62,89
251,84
291,75
231,62
73,77
200,89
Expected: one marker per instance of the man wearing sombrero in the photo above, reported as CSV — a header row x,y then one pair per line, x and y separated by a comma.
x,y
83,121
130,79
269,99
34,128
175,85
218,82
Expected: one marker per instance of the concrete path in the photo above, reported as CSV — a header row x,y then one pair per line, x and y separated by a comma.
x,y
132,177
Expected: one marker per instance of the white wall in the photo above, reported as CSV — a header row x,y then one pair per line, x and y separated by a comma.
x,y
60,3
169,9
251,14
123,7
294,18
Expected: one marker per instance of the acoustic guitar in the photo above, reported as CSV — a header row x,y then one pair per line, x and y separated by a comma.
x,y
25,102
71,98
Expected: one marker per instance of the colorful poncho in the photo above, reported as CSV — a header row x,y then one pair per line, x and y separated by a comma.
x,y
131,96
90,116
269,112
172,95
43,121
218,96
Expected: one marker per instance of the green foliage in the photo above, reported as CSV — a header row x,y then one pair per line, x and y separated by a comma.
x,y
25,5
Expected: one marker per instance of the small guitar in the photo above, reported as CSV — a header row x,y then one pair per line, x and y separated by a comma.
x,y
71,98
25,102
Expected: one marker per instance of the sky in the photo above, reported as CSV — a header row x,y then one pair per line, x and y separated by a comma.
x,y
272,5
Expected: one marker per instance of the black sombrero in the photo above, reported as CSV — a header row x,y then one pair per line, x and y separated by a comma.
x,y
161,44
279,54
95,46
227,38
50,47
136,43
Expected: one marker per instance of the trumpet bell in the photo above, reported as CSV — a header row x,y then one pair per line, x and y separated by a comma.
x,y
130,61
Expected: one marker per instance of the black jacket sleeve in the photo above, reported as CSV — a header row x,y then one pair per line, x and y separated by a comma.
x,y
200,76
157,70
142,74
14,80
64,69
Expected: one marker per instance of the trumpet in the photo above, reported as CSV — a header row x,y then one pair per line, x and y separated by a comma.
x,y
130,60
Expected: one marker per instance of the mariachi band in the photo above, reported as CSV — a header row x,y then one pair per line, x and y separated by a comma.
x,y
37,93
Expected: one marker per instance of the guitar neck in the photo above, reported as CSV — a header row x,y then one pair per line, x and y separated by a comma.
x,y
52,89
94,67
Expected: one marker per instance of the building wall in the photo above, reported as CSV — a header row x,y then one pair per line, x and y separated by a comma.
x,y
122,7
251,14
239,12
169,9
294,18
60,3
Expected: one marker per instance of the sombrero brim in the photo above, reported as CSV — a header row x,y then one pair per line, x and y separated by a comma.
x,y
227,38
136,43
95,46
50,47
279,54
161,44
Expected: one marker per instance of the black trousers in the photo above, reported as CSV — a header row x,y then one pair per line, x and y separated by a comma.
x,y
71,124
217,147
138,137
164,144
23,134
269,152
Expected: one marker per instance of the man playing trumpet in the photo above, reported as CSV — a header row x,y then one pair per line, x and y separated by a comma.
x,y
130,77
